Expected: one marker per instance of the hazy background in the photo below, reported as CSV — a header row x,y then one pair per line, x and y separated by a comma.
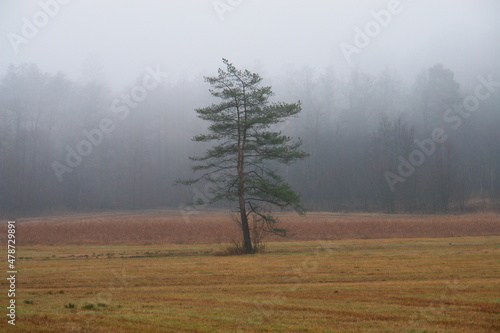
x,y
358,120
188,38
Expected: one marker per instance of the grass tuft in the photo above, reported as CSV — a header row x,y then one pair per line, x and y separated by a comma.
x,y
89,306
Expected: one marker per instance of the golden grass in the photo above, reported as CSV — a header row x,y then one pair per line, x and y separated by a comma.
x,y
159,227
391,285
155,271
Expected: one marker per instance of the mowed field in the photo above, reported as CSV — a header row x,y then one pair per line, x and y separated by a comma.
x,y
159,271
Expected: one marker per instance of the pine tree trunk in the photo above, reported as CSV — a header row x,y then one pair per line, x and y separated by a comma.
x,y
247,241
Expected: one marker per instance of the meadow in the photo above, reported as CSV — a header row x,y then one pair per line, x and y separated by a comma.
x,y
157,272
165,227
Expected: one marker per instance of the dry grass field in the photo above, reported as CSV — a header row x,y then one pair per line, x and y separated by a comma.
x,y
156,272
161,227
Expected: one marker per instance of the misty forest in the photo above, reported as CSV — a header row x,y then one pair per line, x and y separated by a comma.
x,y
399,107
376,142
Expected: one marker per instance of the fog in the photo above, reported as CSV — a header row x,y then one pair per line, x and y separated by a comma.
x,y
364,70
189,38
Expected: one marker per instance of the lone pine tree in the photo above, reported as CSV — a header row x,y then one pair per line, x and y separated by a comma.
x,y
239,165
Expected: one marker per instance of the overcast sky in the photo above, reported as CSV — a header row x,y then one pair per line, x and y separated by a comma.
x,y
189,37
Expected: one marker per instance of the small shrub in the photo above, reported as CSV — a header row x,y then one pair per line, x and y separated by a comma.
x,y
237,249
70,306
101,305
233,250
28,302
259,247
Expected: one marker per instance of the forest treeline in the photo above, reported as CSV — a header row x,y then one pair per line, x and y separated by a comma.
x,y
376,143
